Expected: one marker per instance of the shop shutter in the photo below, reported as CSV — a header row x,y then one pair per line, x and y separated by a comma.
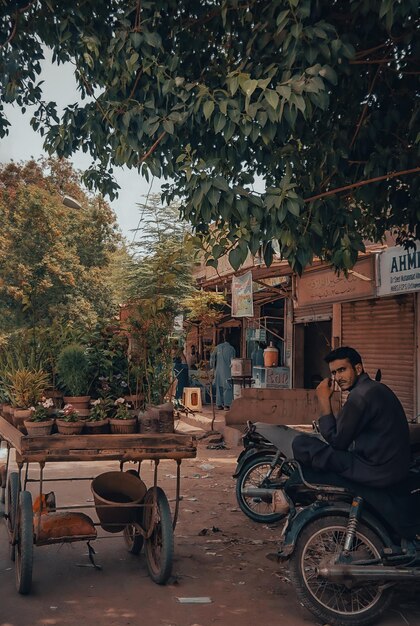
x,y
313,313
383,331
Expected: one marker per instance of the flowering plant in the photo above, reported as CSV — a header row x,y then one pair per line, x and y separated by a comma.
x,y
39,413
99,410
122,411
69,414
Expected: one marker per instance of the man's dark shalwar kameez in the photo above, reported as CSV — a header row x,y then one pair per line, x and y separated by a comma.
x,y
368,441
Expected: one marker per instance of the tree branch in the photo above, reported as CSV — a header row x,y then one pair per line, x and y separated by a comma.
x,y
153,147
136,82
365,108
362,183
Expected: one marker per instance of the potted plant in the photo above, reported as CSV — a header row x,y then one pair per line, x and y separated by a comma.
x,y
97,422
69,422
25,387
74,374
40,422
122,422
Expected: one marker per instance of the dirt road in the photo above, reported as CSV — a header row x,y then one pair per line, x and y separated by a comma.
x,y
219,553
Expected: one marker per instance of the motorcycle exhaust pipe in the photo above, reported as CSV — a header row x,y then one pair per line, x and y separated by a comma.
x,y
258,492
344,573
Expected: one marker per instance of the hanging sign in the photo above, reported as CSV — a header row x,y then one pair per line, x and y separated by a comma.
x,y
399,270
242,302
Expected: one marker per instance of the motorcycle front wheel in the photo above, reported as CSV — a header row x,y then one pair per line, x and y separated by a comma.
x,y
334,603
253,475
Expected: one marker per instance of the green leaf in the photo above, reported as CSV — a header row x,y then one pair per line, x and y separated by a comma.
x,y
153,39
219,122
88,60
293,207
281,16
136,38
328,73
233,84
272,98
249,86
208,108
220,183
236,258
284,90
228,131
168,125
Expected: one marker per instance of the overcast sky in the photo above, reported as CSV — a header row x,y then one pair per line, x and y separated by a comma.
x,y
23,143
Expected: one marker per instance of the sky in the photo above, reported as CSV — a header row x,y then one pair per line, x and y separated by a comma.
x,y
23,143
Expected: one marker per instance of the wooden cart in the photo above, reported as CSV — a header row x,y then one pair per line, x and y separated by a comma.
x,y
153,527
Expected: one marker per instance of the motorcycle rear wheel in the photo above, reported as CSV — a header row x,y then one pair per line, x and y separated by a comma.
x,y
333,603
252,475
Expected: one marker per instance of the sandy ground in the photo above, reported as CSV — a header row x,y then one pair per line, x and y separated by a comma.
x,y
219,554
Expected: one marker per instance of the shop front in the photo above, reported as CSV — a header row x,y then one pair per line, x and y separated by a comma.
x,y
397,327
374,310
319,294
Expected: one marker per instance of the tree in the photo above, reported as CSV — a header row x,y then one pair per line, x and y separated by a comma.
x,y
54,261
318,101
158,277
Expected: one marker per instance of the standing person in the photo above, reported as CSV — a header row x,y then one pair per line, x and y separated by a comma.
x,y
368,440
192,358
220,360
180,371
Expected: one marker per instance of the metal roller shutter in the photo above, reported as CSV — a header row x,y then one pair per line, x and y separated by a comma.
x,y
313,313
383,331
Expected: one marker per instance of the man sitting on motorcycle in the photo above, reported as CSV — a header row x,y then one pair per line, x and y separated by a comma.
x,y
368,440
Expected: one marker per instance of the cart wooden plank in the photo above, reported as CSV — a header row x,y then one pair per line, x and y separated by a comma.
x,y
134,447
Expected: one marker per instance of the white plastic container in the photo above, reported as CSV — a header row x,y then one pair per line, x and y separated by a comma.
x,y
241,367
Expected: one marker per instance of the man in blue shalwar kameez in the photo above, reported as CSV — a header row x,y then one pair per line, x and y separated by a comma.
x,y
220,360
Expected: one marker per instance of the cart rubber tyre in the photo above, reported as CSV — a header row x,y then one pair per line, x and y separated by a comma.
x,y
252,474
25,544
159,548
334,603
133,540
12,503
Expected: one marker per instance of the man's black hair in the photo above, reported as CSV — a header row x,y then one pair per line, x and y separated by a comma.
x,y
344,352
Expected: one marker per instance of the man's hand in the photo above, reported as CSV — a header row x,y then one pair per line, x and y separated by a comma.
x,y
324,392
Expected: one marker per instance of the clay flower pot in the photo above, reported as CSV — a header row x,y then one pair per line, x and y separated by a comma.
x,y
19,416
80,403
123,427
69,428
39,429
96,428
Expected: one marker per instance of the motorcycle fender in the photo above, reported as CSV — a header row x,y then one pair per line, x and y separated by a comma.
x,y
321,509
245,456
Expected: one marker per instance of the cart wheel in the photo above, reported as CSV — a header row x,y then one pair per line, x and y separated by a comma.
x,y
133,540
12,502
25,544
159,548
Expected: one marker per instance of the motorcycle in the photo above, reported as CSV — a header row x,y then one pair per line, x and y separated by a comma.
x,y
347,544
258,471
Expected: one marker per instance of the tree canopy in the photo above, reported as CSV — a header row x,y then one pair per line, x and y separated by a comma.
x,y
53,260
289,121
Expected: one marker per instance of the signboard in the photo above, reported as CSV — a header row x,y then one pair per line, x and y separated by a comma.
x,y
242,302
277,377
271,377
272,281
178,323
326,286
256,334
399,270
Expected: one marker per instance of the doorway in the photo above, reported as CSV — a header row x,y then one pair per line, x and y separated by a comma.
x,y
312,344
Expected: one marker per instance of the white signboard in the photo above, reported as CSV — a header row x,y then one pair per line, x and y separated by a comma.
x,y
277,377
399,270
